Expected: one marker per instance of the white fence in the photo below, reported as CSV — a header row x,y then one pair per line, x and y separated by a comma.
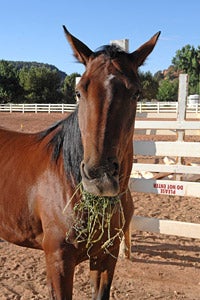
x,y
164,185
37,108
142,107
165,107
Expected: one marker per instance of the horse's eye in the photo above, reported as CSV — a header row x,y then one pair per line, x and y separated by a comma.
x,y
78,94
136,95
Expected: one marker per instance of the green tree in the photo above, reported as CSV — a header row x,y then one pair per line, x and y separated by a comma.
x,y
168,90
69,88
159,75
149,86
188,60
41,84
10,90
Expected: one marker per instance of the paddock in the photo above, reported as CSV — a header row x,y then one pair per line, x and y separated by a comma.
x,y
161,266
185,175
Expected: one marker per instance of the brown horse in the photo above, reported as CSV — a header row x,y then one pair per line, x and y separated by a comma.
x,y
40,172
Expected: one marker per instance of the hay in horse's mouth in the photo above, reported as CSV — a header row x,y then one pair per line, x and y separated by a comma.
x,y
92,221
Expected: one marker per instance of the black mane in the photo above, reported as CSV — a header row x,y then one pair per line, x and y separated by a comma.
x,y
68,140
111,51
72,147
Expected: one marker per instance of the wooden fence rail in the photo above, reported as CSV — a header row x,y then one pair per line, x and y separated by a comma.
x,y
142,107
183,229
37,108
164,185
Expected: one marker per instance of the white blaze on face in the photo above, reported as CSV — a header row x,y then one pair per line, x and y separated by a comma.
x,y
107,84
108,79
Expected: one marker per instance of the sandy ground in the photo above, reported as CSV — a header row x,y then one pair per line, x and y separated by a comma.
x,y
161,267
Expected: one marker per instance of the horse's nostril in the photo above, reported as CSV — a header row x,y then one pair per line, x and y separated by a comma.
x,y
110,168
114,166
115,169
89,173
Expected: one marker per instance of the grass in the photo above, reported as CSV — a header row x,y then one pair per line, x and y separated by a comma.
x,y
93,215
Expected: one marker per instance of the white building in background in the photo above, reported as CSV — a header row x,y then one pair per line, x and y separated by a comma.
x,y
124,44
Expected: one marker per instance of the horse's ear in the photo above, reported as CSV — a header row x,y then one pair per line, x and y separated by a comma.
x,y
143,51
81,51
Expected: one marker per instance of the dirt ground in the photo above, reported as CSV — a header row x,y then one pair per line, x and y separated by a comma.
x,y
161,267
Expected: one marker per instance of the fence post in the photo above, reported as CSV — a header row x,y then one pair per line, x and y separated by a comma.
x,y
176,108
182,97
181,112
158,107
182,103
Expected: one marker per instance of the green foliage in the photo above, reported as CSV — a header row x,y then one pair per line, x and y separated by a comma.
x,y
69,88
41,84
158,76
149,86
10,89
35,82
18,65
168,90
188,60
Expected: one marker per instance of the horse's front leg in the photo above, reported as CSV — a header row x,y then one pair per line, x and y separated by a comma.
x,y
101,275
60,265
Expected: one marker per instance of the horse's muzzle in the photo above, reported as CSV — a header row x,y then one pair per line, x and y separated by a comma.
x,y
102,180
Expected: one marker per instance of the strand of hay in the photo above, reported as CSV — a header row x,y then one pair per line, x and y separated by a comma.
x,y
93,215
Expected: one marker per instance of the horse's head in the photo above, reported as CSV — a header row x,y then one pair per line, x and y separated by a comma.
x,y
108,93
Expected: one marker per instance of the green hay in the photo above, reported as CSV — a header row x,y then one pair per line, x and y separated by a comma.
x,y
92,220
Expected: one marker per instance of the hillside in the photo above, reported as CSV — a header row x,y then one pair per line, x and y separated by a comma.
x,y
25,64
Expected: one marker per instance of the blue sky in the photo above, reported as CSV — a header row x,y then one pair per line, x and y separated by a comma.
x,y
32,30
